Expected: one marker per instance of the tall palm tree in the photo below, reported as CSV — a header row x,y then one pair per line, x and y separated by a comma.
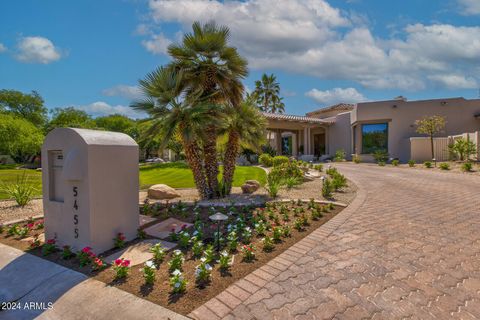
x,y
212,70
245,126
172,114
267,94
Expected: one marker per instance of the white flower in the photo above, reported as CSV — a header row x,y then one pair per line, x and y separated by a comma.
x,y
203,259
176,272
195,233
177,252
177,284
208,267
224,253
150,264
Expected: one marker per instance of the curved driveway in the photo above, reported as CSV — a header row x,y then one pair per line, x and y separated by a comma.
x,y
407,247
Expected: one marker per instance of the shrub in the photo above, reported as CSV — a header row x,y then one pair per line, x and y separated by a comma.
x,y
411,163
318,167
381,163
278,160
395,163
184,239
380,156
121,267
356,158
339,181
260,228
232,241
266,160
67,253
21,191
159,253
148,271
298,224
291,182
332,171
209,254
444,166
277,233
427,164
462,149
203,272
197,248
339,155
178,282
288,169
327,188
247,235
467,167
268,244
273,185
248,252
224,260
49,247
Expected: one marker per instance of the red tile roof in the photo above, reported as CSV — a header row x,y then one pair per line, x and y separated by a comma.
x,y
289,117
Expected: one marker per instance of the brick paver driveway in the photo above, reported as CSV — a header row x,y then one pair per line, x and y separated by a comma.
x,y
407,247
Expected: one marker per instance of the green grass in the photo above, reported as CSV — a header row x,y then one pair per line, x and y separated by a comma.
x,y
176,175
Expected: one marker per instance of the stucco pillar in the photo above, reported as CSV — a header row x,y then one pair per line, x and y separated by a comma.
x,y
278,142
327,141
294,144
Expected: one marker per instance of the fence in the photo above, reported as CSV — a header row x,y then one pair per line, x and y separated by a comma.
x,y
420,148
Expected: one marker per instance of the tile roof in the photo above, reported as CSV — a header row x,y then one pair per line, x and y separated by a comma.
x,y
336,107
289,117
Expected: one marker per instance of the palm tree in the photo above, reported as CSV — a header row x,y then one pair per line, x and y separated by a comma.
x,y
245,126
212,70
267,94
171,114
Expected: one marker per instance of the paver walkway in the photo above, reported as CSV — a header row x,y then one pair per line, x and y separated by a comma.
x,y
407,247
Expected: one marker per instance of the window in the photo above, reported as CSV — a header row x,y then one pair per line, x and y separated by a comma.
x,y
374,137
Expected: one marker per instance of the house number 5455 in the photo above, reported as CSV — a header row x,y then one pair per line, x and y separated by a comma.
x,y
75,206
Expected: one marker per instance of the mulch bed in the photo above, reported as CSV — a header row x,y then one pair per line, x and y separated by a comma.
x,y
160,291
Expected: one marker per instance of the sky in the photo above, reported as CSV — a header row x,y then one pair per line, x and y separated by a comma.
x,y
90,54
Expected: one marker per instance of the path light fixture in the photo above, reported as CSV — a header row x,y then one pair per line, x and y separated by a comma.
x,y
434,162
218,218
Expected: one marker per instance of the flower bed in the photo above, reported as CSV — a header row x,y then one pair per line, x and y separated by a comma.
x,y
187,277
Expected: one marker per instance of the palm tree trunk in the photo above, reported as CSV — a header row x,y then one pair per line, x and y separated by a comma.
x,y
231,153
192,155
211,163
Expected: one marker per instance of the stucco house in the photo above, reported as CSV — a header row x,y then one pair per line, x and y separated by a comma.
x,y
365,127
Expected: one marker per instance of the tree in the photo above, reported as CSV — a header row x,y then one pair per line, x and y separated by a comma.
x,y
463,148
431,126
171,114
70,117
27,105
118,123
212,72
20,137
267,94
245,126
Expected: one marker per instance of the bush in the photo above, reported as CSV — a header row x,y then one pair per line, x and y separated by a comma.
x,y
467,167
356,158
327,188
339,155
266,160
427,164
462,149
381,163
278,160
339,181
395,163
288,169
411,163
21,191
380,156
318,167
444,166
291,182
274,183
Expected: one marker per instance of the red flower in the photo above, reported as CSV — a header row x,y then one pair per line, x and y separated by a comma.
x,y
91,254
121,236
98,262
184,226
118,262
30,225
51,241
86,249
125,263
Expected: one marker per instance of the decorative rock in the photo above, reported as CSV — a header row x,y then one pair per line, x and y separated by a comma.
x,y
143,219
250,186
163,229
139,252
41,238
162,191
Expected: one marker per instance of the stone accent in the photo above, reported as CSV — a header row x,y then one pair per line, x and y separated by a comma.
x,y
163,229
162,191
250,186
139,252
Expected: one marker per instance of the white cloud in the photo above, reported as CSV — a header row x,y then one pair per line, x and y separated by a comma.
x,y
469,7
313,38
157,44
37,50
124,91
101,108
336,95
2,48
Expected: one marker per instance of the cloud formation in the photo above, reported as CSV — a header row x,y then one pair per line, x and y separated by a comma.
x,y
2,48
101,108
157,44
37,50
124,91
336,95
311,37
469,7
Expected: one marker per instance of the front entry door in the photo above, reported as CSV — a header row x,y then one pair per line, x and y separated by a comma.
x,y
319,144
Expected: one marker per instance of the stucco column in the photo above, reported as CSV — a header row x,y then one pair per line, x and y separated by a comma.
x,y
294,144
278,142
305,141
327,141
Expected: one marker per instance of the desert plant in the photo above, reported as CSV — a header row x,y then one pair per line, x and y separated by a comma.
x,y
339,181
278,160
291,182
411,163
467,167
356,158
22,190
318,167
380,156
428,164
395,162
444,166
381,163
463,149
327,188
339,155
273,186
265,159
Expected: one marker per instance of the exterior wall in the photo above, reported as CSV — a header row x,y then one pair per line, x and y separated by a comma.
x,y
401,117
340,135
325,114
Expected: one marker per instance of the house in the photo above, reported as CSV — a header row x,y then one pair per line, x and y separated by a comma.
x,y
365,127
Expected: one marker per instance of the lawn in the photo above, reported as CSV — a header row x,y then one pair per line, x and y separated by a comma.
x,y
176,175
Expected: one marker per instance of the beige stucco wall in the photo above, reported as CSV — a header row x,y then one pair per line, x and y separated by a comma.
x,y
458,112
339,134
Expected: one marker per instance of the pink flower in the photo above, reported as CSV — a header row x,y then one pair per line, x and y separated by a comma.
x,y
98,262
51,241
184,226
86,249
30,225
118,262
125,263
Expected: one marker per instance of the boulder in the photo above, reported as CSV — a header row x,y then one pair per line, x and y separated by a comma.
x,y
250,186
161,192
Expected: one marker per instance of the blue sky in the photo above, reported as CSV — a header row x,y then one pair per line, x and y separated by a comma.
x,y
90,54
